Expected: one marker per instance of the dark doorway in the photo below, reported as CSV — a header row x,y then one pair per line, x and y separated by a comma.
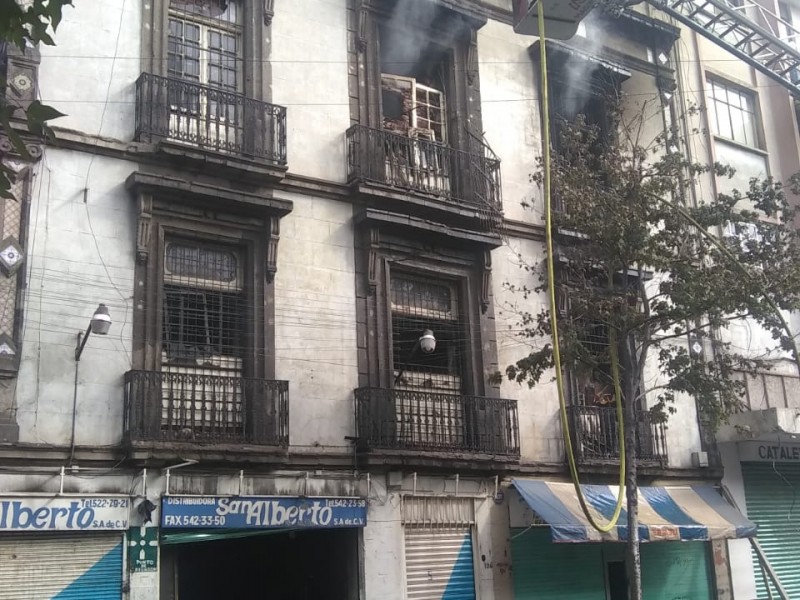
x,y
299,565
617,580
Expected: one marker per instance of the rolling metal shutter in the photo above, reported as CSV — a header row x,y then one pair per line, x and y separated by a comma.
x,y
543,570
61,567
439,564
773,502
676,570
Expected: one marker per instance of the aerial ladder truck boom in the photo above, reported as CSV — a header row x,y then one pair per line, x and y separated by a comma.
x,y
730,27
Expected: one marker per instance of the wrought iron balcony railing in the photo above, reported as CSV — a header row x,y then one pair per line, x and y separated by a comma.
x,y
420,420
181,407
423,166
209,118
595,437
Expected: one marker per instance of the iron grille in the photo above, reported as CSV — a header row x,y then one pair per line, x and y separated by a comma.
x,y
423,420
418,304
221,409
202,345
209,118
425,166
595,436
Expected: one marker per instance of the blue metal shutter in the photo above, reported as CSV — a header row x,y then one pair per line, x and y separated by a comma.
x,y
542,570
676,570
61,567
773,502
439,564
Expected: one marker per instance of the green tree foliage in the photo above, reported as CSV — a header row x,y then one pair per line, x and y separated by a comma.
x,y
636,258
24,24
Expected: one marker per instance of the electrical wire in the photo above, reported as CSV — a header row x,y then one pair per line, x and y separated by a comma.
x,y
551,292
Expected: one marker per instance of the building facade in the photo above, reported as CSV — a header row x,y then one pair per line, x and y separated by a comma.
x,y
283,207
750,122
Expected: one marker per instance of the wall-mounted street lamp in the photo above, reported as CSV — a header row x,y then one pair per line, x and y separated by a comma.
x,y
426,343
100,324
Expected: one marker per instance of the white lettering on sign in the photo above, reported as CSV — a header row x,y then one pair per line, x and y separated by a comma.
x,y
63,514
270,513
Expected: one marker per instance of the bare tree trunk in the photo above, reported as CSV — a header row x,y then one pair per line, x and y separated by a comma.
x,y
633,558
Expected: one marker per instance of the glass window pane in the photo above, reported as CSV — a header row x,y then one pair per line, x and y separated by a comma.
x,y
192,32
214,40
175,28
229,43
737,124
213,75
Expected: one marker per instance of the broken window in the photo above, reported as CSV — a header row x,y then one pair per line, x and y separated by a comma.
x,y
413,75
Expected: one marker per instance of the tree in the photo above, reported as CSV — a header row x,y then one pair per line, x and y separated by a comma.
x,y
24,24
650,283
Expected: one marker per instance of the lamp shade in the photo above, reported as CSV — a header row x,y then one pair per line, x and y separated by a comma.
x,y
101,320
427,342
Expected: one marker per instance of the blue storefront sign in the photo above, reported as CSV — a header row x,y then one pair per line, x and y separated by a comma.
x,y
261,512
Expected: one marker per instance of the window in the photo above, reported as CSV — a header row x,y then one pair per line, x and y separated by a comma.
x,y
413,84
412,108
204,43
733,114
202,346
418,304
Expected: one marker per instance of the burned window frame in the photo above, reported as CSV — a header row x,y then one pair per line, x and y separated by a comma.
x,y
462,93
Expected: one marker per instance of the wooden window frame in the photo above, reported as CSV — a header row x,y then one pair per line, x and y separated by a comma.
x,y
256,16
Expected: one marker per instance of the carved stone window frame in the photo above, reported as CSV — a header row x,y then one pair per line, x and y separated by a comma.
x,y
256,40
166,210
387,242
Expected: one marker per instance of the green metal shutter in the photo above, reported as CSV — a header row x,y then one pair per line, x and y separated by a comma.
x,y
40,566
676,570
439,564
547,571
773,502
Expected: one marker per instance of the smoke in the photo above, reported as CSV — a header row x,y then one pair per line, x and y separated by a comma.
x,y
578,73
405,46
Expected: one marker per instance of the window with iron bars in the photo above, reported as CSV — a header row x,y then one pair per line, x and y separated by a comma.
x,y
418,304
202,348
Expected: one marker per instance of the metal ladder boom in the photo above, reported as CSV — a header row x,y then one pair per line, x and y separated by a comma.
x,y
729,28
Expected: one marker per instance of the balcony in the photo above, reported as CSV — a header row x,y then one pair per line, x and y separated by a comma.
x,y
183,116
433,176
595,439
421,421
174,409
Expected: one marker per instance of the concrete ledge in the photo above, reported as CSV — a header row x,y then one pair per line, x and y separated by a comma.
x,y
761,425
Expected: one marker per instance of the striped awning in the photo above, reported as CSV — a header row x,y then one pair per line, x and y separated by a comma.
x,y
686,513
